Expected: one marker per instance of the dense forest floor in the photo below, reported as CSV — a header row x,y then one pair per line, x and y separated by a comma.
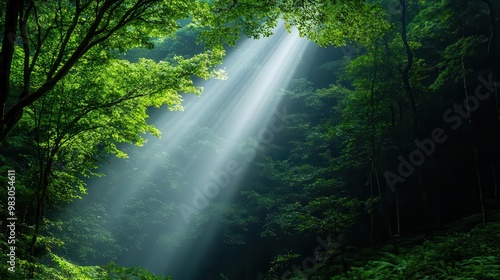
x,y
462,249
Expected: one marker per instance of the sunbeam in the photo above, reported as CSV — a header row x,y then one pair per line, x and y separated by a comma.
x,y
246,104
246,107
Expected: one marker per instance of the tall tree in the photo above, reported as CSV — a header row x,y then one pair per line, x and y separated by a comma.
x,y
56,35
88,113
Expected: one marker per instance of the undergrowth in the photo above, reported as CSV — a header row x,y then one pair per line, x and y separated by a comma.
x,y
471,255
58,268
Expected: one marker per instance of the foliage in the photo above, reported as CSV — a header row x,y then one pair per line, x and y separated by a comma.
x,y
166,49
85,237
117,272
235,223
374,129
324,22
58,268
455,57
110,107
334,22
56,36
74,133
305,197
451,256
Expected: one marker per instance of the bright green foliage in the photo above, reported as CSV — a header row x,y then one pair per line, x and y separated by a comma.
x,y
166,49
225,19
79,101
324,22
117,272
333,22
58,268
57,35
88,114
66,270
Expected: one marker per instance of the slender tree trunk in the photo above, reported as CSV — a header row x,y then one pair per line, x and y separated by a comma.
x,y
481,200
12,12
397,216
495,181
39,208
372,217
483,214
372,138
438,213
372,115
45,159
409,56
494,40
395,237
393,116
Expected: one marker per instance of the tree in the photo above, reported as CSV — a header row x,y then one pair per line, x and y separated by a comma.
x,y
56,35
74,132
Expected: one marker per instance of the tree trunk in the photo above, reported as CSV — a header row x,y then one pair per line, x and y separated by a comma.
x,y
372,140
372,217
494,40
406,71
397,216
12,12
42,193
481,201
495,180
372,116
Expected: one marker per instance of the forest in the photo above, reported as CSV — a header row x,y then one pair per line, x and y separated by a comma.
x,y
249,139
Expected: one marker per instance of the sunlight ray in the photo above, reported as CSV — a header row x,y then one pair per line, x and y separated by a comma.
x,y
246,103
246,107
